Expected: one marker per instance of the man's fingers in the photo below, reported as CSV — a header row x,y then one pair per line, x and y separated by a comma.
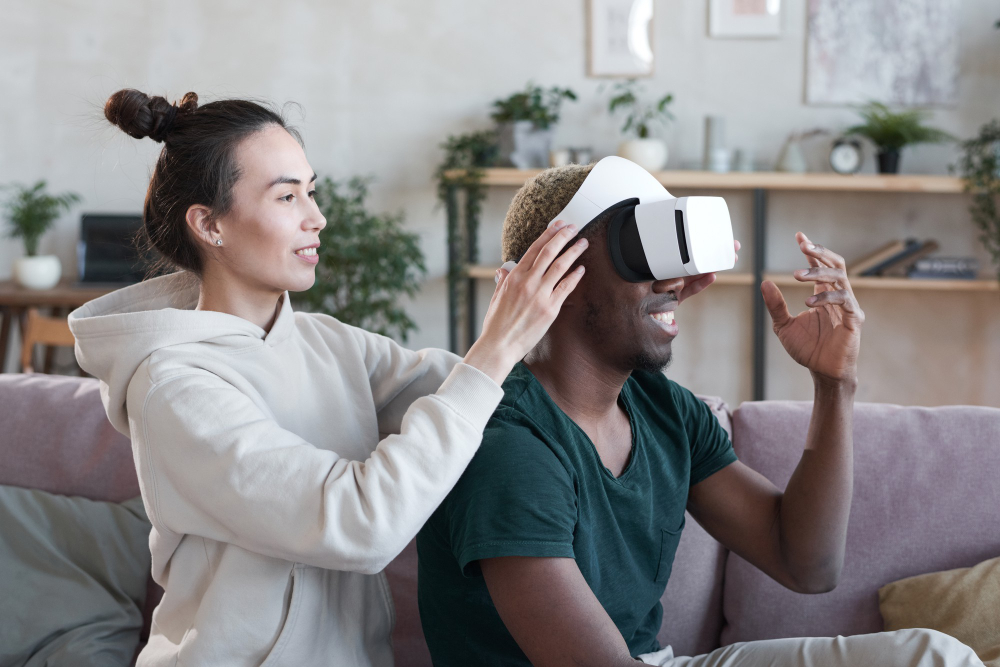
x,y
695,286
775,303
824,256
823,274
841,298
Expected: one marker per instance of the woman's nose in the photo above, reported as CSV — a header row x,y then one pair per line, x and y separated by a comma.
x,y
316,222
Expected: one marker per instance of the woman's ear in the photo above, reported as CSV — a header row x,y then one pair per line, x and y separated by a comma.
x,y
203,226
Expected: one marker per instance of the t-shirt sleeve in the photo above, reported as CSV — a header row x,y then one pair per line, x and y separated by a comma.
x,y
515,499
711,449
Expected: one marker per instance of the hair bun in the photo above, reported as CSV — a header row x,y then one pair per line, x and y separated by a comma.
x,y
139,115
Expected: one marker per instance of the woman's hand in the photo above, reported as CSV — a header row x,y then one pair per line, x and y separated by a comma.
x,y
526,301
826,338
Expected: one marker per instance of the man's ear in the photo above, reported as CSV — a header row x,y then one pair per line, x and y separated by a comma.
x,y
204,228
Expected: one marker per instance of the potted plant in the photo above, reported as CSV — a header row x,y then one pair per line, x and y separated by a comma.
x,y
648,152
366,262
525,121
980,167
891,132
30,213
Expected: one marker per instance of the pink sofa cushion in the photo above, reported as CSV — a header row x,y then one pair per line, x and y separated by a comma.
x,y
55,436
925,499
692,603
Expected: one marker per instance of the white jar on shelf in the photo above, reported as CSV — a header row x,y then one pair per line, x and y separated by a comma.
x,y
649,153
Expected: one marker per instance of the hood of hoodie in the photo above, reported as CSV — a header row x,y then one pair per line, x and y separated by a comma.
x,y
118,331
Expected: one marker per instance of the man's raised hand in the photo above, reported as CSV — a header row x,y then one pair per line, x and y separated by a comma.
x,y
826,338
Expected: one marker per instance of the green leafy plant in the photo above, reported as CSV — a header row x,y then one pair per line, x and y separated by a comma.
x,y
891,131
539,105
366,263
639,116
980,168
466,155
31,212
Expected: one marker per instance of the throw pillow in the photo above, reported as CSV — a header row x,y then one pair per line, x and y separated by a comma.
x,y
964,603
73,578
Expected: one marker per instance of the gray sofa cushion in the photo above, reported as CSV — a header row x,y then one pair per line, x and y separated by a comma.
x,y
73,576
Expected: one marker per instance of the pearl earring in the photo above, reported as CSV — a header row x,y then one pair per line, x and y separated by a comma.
x,y
218,241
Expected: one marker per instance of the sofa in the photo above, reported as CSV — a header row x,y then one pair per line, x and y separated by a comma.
x,y
926,498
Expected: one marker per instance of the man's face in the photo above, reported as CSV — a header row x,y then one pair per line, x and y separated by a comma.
x,y
628,324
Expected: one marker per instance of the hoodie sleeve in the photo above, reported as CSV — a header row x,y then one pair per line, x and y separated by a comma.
x,y
215,465
400,376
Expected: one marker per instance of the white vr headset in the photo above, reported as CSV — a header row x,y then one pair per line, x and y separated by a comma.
x,y
652,234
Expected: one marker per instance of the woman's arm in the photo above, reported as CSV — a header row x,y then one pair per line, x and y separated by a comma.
x,y
214,464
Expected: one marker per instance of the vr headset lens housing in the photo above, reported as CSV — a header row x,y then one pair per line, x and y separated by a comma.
x,y
652,234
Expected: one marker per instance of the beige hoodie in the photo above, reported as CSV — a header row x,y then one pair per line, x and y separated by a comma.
x,y
281,471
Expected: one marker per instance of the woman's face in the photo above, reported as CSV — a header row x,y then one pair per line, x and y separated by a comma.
x,y
270,236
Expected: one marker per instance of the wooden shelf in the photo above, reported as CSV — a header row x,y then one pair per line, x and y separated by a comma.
x,y
767,180
983,284
485,272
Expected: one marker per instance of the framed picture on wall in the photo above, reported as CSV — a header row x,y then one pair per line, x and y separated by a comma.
x,y
619,38
744,18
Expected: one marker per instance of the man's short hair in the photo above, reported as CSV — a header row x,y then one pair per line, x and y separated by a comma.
x,y
537,202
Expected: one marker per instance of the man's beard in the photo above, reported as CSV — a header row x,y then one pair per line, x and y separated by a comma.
x,y
640,361
646,362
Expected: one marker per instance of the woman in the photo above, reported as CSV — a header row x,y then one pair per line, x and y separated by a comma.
x,y
284,458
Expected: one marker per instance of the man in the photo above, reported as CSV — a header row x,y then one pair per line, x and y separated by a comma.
x,y
556,545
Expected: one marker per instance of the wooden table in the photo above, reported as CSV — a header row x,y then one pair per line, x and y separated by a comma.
x,y
15,300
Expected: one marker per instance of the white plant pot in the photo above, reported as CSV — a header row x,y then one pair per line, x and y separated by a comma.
x,y
41,272
650,154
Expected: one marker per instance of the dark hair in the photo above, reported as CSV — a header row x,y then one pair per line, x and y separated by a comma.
x,y
196,166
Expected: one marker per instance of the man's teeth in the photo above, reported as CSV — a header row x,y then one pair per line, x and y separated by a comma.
x,y
306,251
667,317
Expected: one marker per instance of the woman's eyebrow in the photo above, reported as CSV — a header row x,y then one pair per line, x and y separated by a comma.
x,y
288,179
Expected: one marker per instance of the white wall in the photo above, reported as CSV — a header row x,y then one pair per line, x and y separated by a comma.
x,y
382,83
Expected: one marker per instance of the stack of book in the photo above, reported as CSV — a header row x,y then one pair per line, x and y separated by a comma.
x,y
909,258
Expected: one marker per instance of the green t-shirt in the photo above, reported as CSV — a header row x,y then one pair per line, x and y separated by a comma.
x,y
537,487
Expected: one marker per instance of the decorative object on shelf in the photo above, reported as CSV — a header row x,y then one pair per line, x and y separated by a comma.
x,y
743,160
895,259
846,155
744,18
716,154
367,262
560,157
648,152
945,268
892,131
792,158
582,155
619,38
901,52
525,124
30,213
980,167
